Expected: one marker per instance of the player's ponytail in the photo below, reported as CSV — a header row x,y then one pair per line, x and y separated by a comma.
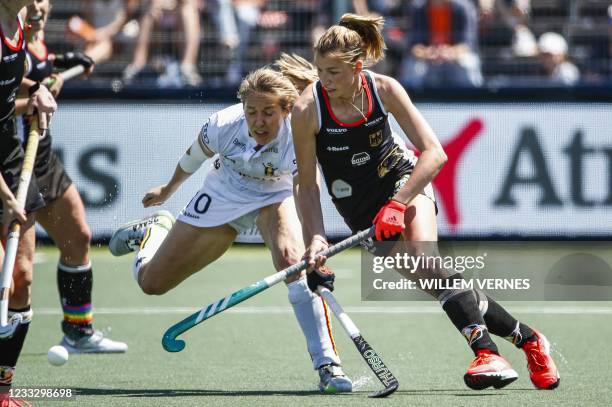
x,y
298,70
353,38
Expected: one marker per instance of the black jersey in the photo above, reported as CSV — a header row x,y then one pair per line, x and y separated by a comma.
x,y
361,161
12,67
39,66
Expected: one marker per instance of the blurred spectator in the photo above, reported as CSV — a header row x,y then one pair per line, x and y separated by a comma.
x,y
236,25
109,18
513,14
443,45
164,11
553,57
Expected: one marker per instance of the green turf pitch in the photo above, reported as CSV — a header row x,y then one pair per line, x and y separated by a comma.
x,y
254,354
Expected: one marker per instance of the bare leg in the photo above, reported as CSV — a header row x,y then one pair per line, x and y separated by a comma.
x,y
282,233
191,25
280,227
23,271
64,220
186,250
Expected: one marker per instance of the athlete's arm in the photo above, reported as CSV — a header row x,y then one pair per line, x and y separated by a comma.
x,y
189,163
432,158
11,208
304,128
21,106
40,100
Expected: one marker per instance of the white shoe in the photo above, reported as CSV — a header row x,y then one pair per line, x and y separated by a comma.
x,y
127,238
94,343
190,75
130,73
333,380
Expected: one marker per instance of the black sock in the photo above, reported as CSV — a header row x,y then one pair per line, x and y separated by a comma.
x,y
462,309
75,285
10,348
501,323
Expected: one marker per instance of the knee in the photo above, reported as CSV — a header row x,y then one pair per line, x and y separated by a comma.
x,y
152,287
21,288
288,257
82,237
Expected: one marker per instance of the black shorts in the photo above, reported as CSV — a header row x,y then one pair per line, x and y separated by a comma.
x,y
389,187
11,162
53,181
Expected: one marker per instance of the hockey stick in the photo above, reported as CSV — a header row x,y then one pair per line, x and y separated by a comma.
x,y
72,72
171,344
66,75
374,361
12,241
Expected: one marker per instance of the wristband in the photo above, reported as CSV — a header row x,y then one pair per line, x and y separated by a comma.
x,y
33,89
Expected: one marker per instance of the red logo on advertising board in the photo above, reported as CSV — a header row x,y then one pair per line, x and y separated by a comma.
x,y
446,181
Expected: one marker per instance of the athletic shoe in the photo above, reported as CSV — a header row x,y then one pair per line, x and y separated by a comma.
x,y
333,380
94,343
128,237
542,369
130,73
190,75
489,369
6,376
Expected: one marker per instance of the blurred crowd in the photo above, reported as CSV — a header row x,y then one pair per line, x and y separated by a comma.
x,y
431,43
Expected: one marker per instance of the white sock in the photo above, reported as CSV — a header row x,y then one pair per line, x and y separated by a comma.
x,y
311,313
153,238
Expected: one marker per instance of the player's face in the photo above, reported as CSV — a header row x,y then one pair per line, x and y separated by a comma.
x,y
38,11
337,77
264,116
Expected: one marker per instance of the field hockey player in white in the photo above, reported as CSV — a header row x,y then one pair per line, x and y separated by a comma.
x,y
251,183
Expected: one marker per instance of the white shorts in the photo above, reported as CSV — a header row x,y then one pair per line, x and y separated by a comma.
x,y
218,204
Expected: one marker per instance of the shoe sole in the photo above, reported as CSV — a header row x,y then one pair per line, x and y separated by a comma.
x,y
333,389
117,249
77,351
483,381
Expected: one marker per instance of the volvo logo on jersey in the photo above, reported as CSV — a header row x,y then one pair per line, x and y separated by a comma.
x,y
336,130
360,159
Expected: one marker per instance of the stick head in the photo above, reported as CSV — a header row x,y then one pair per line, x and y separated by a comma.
x,y
171,344
385,392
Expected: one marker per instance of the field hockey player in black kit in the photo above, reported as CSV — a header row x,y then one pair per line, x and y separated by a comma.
x,y
341,122
63,216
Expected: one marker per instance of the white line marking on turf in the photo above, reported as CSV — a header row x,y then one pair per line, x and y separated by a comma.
x,y
571,310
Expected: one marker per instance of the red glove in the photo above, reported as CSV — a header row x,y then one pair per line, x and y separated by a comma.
x,y
389,220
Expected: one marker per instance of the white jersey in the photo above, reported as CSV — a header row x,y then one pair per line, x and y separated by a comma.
x,y
244,178
240,163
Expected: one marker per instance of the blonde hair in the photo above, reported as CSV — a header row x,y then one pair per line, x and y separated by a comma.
x,y
353,38
269,81
298,70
